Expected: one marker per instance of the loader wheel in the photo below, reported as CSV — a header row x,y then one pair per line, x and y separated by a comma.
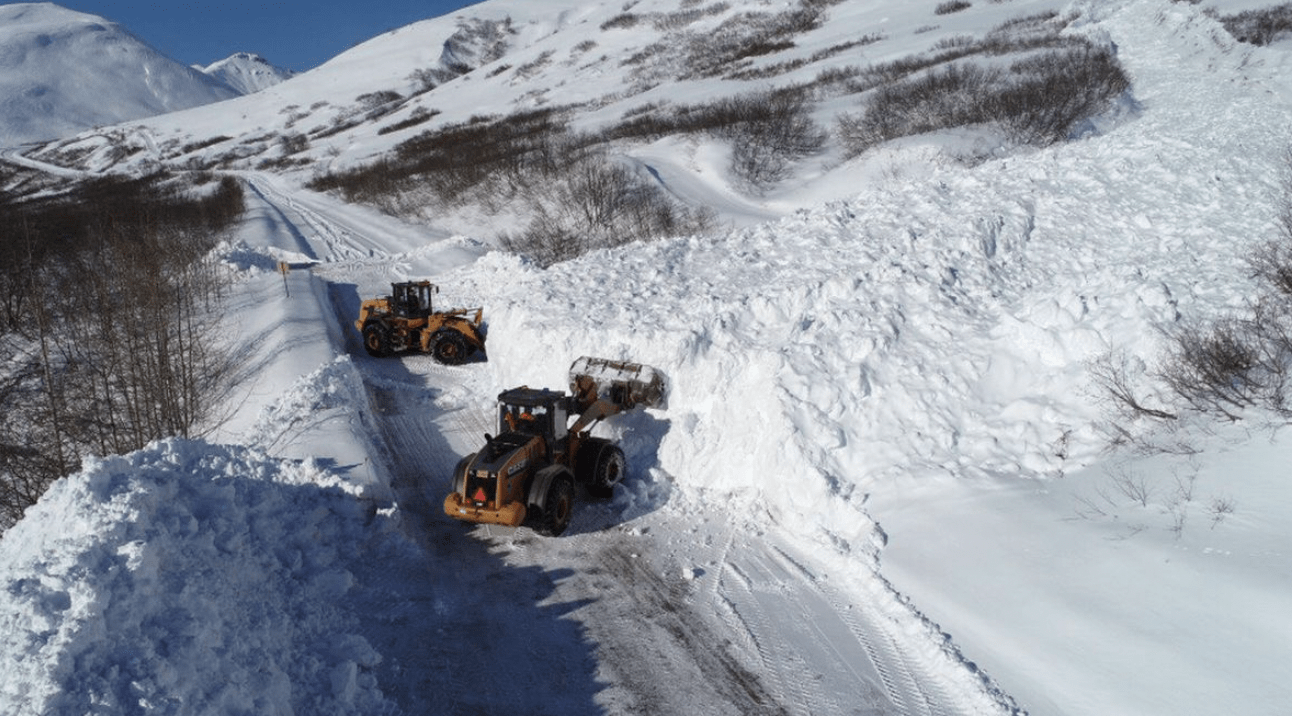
x,y
601,466
558,506
449,347
376,340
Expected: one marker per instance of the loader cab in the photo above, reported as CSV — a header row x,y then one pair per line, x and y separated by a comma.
x,y
412,299
534,412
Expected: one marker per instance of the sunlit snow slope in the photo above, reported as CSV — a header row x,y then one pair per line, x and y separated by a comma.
x,y
63,71
880,483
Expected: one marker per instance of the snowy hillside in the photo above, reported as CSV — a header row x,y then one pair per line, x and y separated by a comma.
x,y
63,71
882,481
246,72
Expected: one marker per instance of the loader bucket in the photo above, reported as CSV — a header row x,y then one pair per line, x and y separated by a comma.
x,y
625,384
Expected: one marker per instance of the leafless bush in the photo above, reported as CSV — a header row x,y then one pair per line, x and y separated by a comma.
x,y
414,118
1111,372
1038,100
1260,27
598,204
725,50
1052,92
768,130
763,151
293,143
1219,508
373,100
113,315
622,21
1225,367
203,144
1222,369
1026,25
1271,262
946,8
1132,485
426,79
780,68
455,159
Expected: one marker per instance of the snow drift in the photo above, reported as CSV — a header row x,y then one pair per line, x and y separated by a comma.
x,y
191,577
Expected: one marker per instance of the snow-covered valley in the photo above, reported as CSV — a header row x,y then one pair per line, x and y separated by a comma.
x,y
880,484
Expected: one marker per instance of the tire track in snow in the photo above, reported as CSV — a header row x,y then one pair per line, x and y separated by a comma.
x,y
812,655
327,239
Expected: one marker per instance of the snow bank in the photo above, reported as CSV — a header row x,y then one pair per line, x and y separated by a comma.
x,y
189,577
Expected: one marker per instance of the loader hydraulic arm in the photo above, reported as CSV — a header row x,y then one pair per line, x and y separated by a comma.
x,y
599,410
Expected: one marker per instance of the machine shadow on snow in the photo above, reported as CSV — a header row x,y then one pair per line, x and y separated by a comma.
x,y
450,617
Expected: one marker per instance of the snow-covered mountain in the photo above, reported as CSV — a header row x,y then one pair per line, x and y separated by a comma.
x,y
63,71
246,72
882,483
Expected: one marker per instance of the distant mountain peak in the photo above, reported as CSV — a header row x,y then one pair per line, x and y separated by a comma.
x,y
246,72
66,71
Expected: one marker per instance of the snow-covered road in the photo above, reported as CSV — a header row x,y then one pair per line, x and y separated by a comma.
x,y
680,607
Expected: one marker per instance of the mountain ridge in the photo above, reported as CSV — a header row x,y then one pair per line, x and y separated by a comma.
x,y
63,72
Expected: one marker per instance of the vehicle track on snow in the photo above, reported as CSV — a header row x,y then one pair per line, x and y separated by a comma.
x,y
824,653
326,238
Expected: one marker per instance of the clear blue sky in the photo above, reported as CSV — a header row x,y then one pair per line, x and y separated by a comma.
x,y
293,34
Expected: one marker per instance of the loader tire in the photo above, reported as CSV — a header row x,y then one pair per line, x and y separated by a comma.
x,y
376,340
558,505
449,347
601,466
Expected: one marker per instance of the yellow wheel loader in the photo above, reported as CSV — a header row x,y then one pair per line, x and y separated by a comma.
x,y
406,320
527,473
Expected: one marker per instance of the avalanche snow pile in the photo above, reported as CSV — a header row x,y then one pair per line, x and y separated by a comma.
x,y
933,326
222,581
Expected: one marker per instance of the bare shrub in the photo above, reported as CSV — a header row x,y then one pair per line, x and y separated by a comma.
x,y
1111,372
416,117
292,143
946,8
598,204
724,50
768,130
531,68
372,100
203,144
1228,366
1132,485
1262,26
1220,369
1039,100
764,150
1271,262
455,159
113,330
1026,25
1052,92
1219,508
622,21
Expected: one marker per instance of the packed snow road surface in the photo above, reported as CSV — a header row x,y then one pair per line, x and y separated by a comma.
x,y
681,607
